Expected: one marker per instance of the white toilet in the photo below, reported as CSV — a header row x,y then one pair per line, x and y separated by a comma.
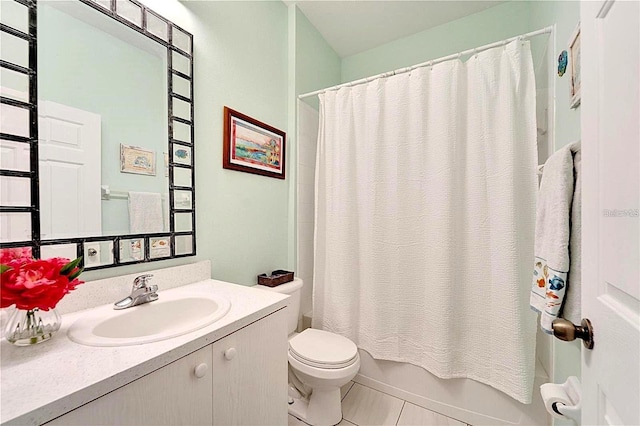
x,y
320,363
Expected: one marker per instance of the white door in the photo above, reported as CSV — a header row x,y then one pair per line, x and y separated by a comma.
x,y
69,142
611,193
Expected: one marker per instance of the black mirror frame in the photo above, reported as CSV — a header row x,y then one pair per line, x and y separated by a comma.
x,y
32,105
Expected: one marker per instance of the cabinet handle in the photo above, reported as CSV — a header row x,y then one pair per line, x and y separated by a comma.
x,y
201,370
230,353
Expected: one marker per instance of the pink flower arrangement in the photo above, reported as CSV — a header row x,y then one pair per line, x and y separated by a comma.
x,y
35,283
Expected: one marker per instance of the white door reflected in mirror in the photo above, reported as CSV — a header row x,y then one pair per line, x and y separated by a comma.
x,y
69,151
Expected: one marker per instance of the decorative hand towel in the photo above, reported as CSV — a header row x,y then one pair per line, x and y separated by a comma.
x,y
557,238
145,212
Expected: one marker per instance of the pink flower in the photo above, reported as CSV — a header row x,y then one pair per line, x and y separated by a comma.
x,y
38,283
21,254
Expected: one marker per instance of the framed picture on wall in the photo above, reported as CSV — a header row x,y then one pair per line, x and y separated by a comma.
x,y
137,160
252,146
574,67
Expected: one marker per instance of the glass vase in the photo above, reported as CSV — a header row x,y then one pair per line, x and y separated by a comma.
x,y
32,326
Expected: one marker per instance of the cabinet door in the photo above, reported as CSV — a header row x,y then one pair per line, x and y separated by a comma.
x,y
250,374
172,395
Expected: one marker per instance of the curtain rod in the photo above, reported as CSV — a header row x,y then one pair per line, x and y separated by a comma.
x,y
546,30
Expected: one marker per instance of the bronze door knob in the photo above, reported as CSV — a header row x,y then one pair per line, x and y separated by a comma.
x,y
568,331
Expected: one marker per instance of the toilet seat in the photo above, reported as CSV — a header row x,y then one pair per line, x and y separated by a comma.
x,y
322,349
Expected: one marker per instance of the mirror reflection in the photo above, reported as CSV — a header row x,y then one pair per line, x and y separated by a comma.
x,y
106,90
103,132
103,137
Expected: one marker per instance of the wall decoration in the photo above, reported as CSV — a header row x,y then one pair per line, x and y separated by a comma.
x,y
137,249
252,146
574,67
181,154
159,247
562,63
137,160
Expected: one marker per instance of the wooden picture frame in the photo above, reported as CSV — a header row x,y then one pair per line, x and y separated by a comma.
x,y
252,146
574,68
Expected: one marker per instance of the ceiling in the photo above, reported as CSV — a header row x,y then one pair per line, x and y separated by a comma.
x,y
354,26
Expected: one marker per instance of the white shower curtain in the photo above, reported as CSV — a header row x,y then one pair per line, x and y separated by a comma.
x,y
425,208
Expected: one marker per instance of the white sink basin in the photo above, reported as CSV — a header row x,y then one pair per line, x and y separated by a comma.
x,y
176,312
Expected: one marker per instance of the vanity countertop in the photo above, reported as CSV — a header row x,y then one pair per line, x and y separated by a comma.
x,y
44,381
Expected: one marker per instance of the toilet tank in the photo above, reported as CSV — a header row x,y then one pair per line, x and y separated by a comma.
x,y
293,303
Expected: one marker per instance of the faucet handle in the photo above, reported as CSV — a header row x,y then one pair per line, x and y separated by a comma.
x,y
141,281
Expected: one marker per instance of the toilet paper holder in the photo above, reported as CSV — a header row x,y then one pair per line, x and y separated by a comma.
x,y
563,400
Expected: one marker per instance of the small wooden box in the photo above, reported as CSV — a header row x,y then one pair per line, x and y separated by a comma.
x,y
276,278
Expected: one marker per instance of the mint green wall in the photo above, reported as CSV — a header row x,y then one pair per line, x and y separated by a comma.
x,y
130,98
240,62
317,64
292,11
493,24
565,15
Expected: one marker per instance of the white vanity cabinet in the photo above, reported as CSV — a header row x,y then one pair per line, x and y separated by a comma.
x,y
250,374
240,379
172,395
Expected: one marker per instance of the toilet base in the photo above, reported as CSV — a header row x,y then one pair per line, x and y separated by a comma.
x,y
323,408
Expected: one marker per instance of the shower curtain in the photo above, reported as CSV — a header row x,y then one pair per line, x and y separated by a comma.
x,y
425,208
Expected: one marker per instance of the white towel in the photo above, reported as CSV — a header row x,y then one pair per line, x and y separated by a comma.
x,y
145,213
571,309
557,239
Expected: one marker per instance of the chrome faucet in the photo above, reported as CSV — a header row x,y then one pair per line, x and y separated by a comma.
x,y
140,293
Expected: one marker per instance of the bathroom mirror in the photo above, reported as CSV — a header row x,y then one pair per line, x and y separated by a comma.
x,y
97,139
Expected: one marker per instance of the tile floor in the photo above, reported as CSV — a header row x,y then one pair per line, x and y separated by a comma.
x,y
363,406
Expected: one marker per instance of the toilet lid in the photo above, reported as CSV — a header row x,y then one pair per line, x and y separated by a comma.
x,y
323,349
